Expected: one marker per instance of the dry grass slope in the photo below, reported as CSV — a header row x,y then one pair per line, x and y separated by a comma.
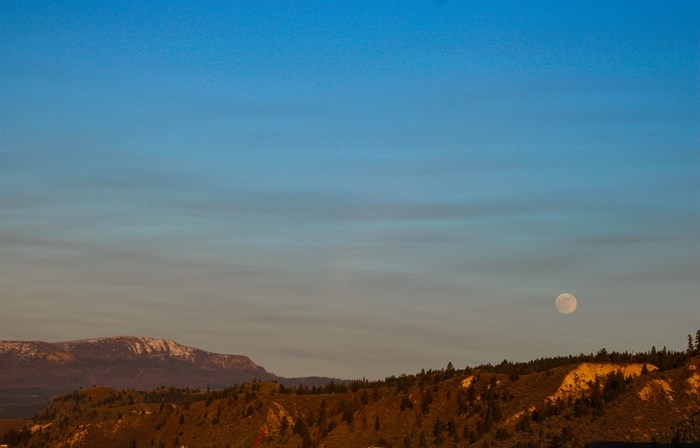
x,y
569,405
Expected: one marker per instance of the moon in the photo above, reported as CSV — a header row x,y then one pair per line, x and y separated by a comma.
x,y
566,303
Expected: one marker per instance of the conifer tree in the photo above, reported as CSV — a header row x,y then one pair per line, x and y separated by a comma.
x,y
690,350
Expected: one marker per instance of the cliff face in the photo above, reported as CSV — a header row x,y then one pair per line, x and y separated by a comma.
x,y
579,379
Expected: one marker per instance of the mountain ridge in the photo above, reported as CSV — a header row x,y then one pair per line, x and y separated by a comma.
x,y
120,348
613,403
646,398
37,371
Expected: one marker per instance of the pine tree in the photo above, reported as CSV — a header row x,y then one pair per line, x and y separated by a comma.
x,y
438,428
690,350
697,342
422,443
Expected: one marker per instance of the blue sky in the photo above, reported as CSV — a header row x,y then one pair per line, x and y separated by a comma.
x,y
351,188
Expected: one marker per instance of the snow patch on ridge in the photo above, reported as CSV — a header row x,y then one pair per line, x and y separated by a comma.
x,y
26,350
23,349
122,347
149,346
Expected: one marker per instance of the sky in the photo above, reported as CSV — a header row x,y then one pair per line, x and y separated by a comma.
x,y
353,188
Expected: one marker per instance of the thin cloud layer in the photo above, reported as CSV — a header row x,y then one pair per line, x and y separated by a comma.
x,y
350,191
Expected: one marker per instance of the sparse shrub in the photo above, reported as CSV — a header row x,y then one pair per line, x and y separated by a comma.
x,y
284,424
14,437
364,398
438,428
422,442
427,400
523,424
452,430
502,434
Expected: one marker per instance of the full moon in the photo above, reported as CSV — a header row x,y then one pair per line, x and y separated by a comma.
x,y
566,303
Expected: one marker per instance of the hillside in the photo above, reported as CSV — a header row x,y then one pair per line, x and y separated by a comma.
x,y
33,372
569,405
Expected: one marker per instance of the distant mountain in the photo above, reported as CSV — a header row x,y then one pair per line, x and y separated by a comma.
x,y
33,372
